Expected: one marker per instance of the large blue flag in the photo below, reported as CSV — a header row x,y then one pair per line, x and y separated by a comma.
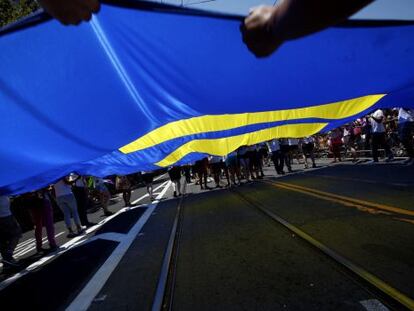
x,y
143,86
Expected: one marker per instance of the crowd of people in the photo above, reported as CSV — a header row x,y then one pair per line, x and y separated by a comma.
x,y
391,130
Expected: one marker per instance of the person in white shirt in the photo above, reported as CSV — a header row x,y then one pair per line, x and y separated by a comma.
x,y
10,234
405,132
67,203
379,135
276,155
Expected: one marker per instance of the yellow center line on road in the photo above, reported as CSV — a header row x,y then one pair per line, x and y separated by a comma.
x,y
362,205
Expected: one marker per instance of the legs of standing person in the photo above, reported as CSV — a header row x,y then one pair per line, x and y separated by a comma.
x,y
37,216
376,139
244,165
259,163
200,177
280,159
226,173
74,210
176,183
67,204
105,196
184,191
49,224
82,202
275,161
312,156
216,174
126,195
205,176
10,233
288,158
64,207
386,146
150,191
337,152
405,131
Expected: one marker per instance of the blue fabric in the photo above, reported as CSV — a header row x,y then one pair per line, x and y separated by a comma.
x,y
70,97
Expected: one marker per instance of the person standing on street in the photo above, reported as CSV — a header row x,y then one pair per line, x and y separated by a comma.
x,y
175,176
148,178
67,203
10,233
308,145
123,184
276,156
80,190
379,136
42,215
405,132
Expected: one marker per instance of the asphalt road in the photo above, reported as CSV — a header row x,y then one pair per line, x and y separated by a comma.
x,y
232,256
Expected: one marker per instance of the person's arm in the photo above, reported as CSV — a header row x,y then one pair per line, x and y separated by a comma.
x,y
378,120
267,27
71,12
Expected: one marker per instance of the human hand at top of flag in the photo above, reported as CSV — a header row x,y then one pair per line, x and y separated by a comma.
x,y
267,27
71,12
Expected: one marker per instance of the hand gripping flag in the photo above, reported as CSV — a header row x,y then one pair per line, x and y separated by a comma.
x,y
144,86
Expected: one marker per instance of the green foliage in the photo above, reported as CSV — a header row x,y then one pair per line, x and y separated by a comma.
x,y
11,11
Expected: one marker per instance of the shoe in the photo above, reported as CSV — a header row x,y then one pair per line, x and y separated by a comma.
x,y
175,194
81,230
313,165
90,224
71,235
10,263
108,213
53,248
40,251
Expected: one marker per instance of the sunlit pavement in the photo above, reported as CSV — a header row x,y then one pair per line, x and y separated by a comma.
x,y
232,257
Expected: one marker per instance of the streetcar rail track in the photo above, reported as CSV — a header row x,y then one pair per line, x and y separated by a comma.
x,y
164,294
394,298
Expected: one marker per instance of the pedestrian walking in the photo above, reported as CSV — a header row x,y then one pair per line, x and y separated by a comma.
x,y
123,184
276,155
148,178
40,204
307,146
10,233
405,132
67,203
379,136
81,192
175,176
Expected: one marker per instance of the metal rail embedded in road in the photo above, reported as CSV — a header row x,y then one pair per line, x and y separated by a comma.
x,y
392,294
164,294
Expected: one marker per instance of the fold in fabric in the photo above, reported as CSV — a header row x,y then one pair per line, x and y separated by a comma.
x,y
140,89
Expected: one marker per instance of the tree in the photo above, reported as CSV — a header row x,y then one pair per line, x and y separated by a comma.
x,y
11,11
